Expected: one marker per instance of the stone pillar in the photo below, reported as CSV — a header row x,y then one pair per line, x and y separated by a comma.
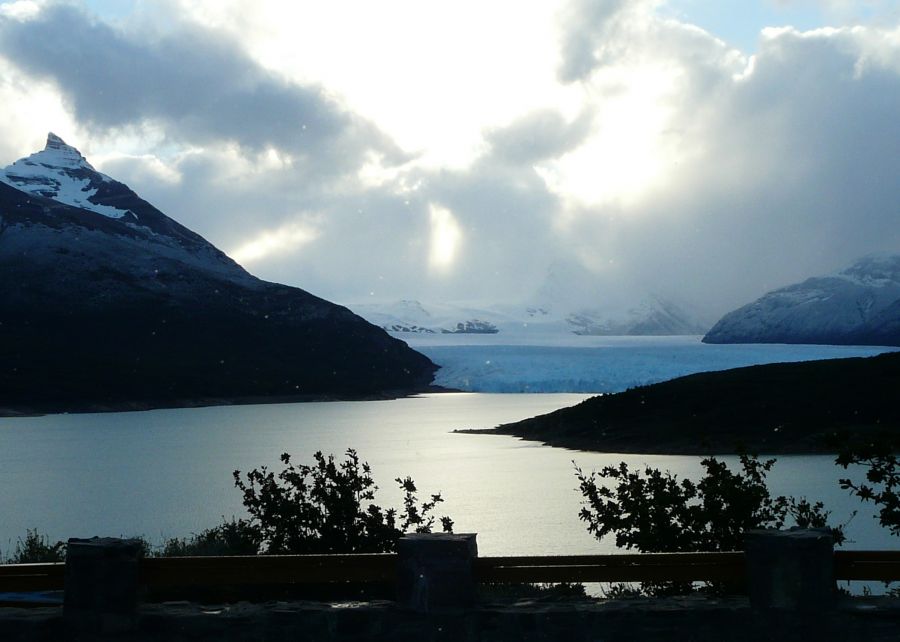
x,y
436,570
101,585
792,569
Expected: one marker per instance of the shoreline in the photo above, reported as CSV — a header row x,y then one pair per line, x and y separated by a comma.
x,y
587,445
808,407
39,410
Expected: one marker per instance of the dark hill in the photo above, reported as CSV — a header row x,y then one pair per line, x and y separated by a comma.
x,y
111,304
775,408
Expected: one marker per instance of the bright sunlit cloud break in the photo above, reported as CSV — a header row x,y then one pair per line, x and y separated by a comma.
x,y
446,236
457,151
281,241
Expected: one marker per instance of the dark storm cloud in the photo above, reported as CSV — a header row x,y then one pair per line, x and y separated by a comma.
x,y
199,85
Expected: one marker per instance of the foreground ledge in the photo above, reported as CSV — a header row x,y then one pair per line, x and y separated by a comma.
x,y
694,618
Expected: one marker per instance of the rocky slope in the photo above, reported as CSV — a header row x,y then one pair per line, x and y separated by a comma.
x,y
857,306
105,301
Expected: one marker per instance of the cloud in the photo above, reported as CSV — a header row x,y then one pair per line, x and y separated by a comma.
x,y
853,12
597,32
201,87
788,169
274,242
649,150
446,237
539,135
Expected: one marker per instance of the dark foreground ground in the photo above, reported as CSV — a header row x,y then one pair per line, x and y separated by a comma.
x,y
692,618
806,407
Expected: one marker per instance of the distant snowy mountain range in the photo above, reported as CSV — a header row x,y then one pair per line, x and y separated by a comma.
x,y
859,305
104,300
571,300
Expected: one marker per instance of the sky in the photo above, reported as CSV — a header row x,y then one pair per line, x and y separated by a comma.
x,y
705,152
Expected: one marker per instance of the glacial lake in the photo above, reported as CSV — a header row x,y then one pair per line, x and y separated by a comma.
x,y
166,473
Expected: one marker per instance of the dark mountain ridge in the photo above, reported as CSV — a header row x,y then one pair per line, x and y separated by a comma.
x,y
801,407
107,302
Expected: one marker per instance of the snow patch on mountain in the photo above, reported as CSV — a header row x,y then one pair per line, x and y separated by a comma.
x,y
412,317
106,300
69,200
857,305
61,173
570,301
609,304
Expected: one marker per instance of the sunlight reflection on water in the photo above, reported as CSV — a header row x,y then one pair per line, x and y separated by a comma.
x,y
166,473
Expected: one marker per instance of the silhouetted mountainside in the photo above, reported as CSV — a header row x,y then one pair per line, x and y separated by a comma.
x,y
856,306
105,301
773,408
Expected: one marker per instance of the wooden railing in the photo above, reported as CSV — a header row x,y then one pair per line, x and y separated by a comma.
x,y
32,577
881,566
165,572
172,572
644,567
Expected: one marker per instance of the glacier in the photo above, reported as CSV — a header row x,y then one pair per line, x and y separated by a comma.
x,y
484,363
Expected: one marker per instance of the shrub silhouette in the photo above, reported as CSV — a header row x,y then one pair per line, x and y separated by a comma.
x,y
234,537
328,507
655,512
882,486
36,548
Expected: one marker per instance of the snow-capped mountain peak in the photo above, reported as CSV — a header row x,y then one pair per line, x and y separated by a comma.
x,y
61,173
57,189
57,154
875,270
857,305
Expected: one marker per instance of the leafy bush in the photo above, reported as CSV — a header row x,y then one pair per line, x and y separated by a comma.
x,y
36,548
883,477
655,512
235,537
506,592
621,591
327,507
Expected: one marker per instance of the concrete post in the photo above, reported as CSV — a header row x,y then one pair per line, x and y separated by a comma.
x,y
792,569
101,585
436,570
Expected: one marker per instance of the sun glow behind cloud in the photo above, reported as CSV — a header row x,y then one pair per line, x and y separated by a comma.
x,y
586,136
20,9
25,102
435,78
446,236
430,75
287,238
628,150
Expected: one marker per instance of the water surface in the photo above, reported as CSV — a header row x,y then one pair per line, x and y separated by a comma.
x,y
165,473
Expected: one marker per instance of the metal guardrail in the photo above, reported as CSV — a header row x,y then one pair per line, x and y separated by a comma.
x,y
171,572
